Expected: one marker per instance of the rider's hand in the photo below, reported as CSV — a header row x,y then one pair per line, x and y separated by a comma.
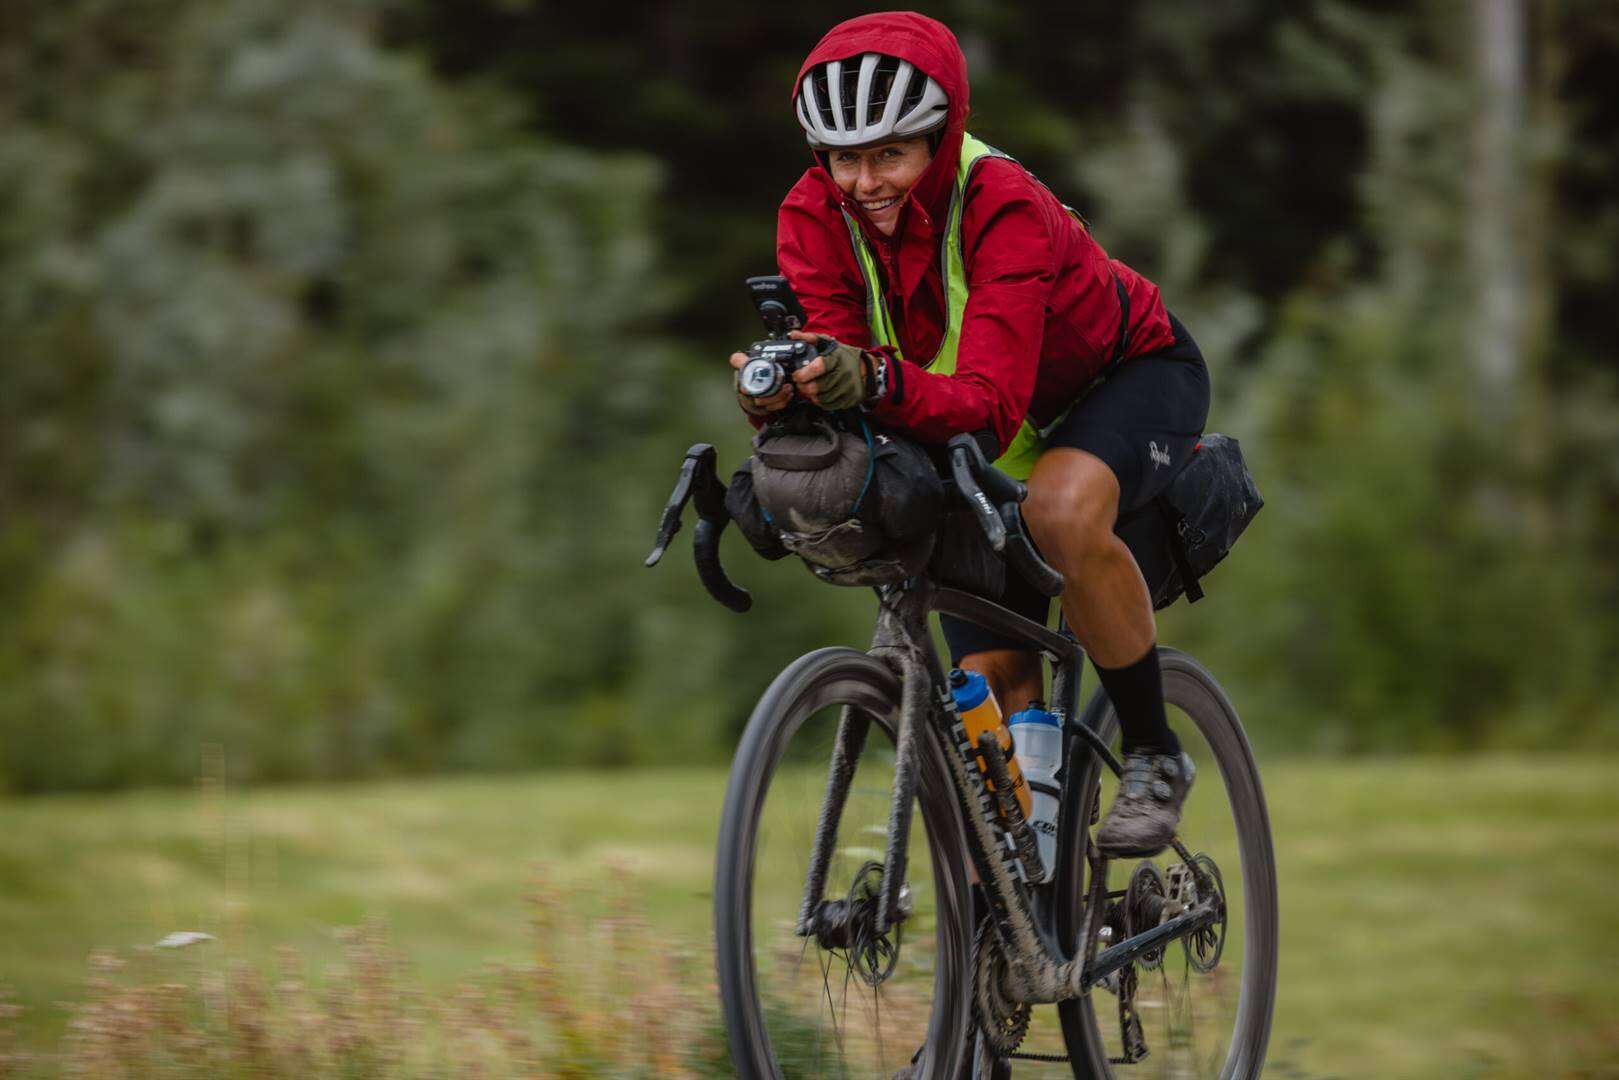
x,y
840,378
757,406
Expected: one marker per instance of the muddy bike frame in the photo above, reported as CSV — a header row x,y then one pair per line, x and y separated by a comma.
x,y
1040,968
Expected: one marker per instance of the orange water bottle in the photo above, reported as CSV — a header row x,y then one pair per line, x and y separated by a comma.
x,y
980,713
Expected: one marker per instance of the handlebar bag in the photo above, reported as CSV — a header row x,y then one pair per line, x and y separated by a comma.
x,y
1185,532
860,508
742,504
906,500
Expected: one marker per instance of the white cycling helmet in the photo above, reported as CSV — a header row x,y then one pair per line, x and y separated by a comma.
x,y
868,99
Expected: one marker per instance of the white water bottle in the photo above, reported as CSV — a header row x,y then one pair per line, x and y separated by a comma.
x,y
1037,743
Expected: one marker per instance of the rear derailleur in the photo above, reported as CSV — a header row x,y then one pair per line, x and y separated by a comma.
x,y
1150,899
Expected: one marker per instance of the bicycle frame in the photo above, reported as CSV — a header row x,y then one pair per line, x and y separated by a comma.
x,y
1040,969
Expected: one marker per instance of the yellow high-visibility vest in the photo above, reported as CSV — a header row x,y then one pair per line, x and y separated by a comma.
x,y
1019,459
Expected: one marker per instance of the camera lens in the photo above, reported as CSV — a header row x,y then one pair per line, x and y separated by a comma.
x,y
759,378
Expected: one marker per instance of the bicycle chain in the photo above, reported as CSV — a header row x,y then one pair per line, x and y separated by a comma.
x,y
1057,1059
1202,869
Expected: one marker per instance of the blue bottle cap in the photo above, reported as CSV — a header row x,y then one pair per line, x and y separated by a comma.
x,y
969,689
1034,716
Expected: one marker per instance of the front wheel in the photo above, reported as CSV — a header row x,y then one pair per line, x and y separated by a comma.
x,y
802,1005
1203,1006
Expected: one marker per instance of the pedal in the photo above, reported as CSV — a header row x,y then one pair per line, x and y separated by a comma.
x,y
1180,886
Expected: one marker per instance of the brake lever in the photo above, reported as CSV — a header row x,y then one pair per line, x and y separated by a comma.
x,y
1001,518
669,523
962,453
697,482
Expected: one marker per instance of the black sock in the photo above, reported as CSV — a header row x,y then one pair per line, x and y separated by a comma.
x,y
1137,693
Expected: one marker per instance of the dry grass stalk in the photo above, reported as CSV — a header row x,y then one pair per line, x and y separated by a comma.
x,y
602,997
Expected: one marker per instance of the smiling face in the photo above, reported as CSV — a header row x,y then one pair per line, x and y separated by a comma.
x,y
877,177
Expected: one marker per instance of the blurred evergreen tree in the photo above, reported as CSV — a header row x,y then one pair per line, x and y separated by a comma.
x,y
316,370
347,352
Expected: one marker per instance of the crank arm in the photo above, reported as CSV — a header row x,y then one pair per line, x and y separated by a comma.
x,y
1130,949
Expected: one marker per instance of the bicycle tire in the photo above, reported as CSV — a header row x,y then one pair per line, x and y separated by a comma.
x,y
817,680
1190,687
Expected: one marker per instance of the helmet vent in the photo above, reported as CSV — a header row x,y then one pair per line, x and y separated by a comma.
x,y
882,83
849,80
913,96
823,96
866,100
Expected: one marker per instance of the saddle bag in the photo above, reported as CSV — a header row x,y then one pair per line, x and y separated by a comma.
x,y
1181,535
859,507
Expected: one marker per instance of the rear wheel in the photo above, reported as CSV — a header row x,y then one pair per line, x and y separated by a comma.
x,y
812,1005
1204,1004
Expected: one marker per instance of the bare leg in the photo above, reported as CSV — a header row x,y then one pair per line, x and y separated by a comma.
x,y
1014,676
1072,508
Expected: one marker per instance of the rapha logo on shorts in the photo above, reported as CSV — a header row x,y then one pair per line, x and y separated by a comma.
x,y
1159,457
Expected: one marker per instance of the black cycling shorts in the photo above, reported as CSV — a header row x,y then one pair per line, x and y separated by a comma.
x,y
1143,421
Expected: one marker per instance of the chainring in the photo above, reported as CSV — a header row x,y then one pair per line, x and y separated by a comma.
x,y
1003,1021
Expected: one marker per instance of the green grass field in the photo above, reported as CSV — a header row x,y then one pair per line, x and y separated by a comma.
x,y
1440,917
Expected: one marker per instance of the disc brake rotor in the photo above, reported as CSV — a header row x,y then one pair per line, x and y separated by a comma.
x,y
873,956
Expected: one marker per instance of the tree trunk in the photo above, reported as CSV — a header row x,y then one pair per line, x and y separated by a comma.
x,y
1495,194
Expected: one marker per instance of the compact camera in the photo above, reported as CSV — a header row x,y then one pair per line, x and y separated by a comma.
x,y
771,363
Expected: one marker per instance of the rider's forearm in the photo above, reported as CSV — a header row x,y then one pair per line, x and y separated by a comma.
x,y
996,363
936,407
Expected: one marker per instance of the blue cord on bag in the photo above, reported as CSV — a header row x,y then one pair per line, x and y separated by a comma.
x,y
871,467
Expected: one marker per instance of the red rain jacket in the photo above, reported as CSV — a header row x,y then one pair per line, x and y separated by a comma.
x,y
1043,313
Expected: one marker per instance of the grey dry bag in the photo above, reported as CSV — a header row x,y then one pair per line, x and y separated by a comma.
x,y
859,507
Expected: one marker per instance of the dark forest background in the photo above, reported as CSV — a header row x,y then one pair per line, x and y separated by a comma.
x,y
348,350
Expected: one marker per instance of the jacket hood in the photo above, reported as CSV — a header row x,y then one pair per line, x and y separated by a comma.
x,y
929,46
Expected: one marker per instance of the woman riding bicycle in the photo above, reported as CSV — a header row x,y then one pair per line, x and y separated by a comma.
x,y
1067,360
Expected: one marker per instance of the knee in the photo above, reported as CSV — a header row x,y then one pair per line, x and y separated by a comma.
x,y
1014,675
1073,503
